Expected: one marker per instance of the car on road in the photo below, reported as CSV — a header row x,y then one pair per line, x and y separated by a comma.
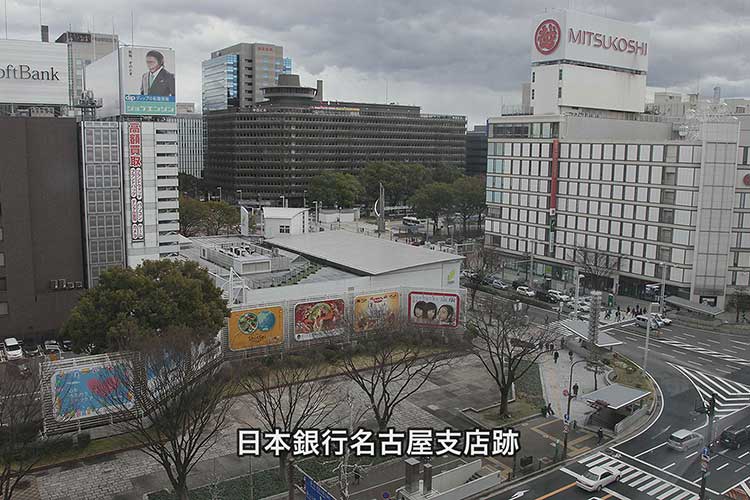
x,y
561,297
684,440
12,348
517,283
499,284
597,478
545,296
471,275
525,291
734,437
642,321
661,318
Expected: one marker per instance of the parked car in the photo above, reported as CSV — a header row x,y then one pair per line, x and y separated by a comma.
x,y
546,296
642,321
525,291
67,345
499,284
31,350
663,319
734,437
51,346
517,283
684,440
12,348
561,297
597,478
470,275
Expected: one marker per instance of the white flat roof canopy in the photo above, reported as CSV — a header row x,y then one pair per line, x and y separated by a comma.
x,y
363,254
617,396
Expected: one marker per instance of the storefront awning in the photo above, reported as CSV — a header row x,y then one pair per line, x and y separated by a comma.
x,y
693,306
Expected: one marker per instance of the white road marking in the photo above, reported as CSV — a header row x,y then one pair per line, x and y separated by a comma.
x,y
722,466
744,454
668,466
652,449
693,453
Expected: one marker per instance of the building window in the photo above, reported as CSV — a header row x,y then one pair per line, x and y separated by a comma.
x,y
559,74
533,77
1,233
670,176
3,308
668,197
3,284
2,259
559,92
666,215
284,229
532,94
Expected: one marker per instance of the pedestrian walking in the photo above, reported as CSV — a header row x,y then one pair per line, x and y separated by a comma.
x,y
627,311
544,411
555,356
562,343
575,390
599,436
570,355
549,409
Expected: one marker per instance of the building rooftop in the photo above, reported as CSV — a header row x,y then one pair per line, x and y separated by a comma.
x,y
281,213
360,254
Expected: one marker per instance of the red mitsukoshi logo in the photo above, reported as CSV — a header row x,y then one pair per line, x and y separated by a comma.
x,y
547,36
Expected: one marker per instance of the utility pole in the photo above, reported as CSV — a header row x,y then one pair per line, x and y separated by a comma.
x,y
709,410
648,335
663,286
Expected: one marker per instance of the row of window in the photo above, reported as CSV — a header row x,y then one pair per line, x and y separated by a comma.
x,y
656,153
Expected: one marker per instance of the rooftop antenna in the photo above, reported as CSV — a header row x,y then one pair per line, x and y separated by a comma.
x,y
114,45
386,91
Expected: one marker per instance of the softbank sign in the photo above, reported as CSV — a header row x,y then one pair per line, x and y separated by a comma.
x,y
33,72
26,72
607,42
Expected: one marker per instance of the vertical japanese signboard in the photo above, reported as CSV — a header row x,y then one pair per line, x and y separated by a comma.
x,y
135,170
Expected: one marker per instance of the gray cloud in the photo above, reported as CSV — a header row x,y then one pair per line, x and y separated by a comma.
x,y
449,57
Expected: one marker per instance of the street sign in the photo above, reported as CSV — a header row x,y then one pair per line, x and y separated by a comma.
x,y
314,491
706,451
566,417
704,466
566,428
386,495
565,393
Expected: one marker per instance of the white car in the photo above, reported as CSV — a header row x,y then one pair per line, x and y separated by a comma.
x,y
597,478
560,296
524,290
12,348
662,319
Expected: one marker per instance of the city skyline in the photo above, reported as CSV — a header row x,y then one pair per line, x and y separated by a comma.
x,y
362,50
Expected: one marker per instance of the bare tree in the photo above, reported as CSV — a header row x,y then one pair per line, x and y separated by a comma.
x,y
740,301
507,344
391,364
482,265
21,445
597,266
291,396
173,401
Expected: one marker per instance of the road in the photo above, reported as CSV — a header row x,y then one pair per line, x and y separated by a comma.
x,y
688,365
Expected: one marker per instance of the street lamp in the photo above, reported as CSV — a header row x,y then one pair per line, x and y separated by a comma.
x,y
648,333
317,216
283,201
566,426
219,188
664,268
304,198
239,196
578,287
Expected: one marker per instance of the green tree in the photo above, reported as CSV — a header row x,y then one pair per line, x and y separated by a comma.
x,y
433,201
469,198
400,181
192,186
192,215
220,216
335,188
130,304
440,172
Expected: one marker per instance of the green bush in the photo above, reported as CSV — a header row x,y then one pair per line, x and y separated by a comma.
x,y
83,440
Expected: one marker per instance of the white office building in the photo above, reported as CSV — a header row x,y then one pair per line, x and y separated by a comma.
x,y
589,174
281,221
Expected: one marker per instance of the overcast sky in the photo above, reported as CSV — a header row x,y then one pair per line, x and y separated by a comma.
x,y
449,56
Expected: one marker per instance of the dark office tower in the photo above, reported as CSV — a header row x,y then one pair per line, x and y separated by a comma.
x,y
276,147
476,151
41,253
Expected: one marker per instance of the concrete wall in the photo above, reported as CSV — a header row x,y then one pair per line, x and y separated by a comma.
x,y
586,129
298,224
40,215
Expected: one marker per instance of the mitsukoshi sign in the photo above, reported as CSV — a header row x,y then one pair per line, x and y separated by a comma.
x,y
573,36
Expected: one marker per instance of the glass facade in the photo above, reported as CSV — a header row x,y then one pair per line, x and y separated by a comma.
x,y
287,70
221,83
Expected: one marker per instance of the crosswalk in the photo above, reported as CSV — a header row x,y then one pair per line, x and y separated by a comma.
x,y
706,352
730,396
635,478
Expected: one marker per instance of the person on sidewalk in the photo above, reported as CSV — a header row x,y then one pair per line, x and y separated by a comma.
x,y
575,390
550,410
555,356
570,355
627,311
599,436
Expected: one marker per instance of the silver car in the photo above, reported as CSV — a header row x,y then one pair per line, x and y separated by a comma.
x,y
684,440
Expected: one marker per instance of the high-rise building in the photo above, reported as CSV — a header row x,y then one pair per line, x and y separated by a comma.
x,y
287,66
476,151
41,254
234,76
641,198
275,148
190,131
83,49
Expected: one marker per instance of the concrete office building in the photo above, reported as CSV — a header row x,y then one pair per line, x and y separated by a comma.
x,y
588,176
476,151
41,254
276,147
191,140
236,75
83,49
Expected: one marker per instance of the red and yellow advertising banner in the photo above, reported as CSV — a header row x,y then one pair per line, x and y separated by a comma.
x,y
374,311
434,309
135,171
251,328
324,318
